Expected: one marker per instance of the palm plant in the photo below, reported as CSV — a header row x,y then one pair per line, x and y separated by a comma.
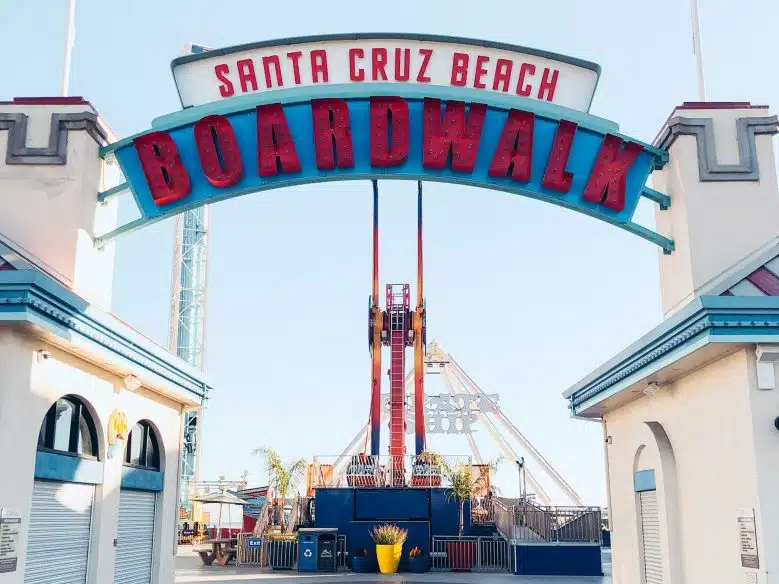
x,y
464,483
282,478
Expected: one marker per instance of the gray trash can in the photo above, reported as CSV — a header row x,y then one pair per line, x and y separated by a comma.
x,y
317,550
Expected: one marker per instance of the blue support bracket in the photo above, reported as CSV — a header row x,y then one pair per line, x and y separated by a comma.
x,y
663,200
112,192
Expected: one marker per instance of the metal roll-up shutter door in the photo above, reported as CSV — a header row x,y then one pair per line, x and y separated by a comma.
x,y
650,533
59,533
135,537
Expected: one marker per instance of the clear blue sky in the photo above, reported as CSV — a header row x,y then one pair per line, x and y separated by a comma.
x,y
527,296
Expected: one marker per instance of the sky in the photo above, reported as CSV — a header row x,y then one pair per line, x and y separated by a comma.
x,y
528,297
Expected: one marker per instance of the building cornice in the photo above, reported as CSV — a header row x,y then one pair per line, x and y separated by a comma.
x,y
30,297
707,320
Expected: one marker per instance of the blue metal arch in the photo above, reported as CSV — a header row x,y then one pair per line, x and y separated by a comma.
x,y
296,103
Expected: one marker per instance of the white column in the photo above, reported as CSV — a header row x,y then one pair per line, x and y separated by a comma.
x,y
724,200
51,175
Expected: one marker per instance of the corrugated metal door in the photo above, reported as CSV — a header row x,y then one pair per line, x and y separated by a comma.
x,y
135,537
650,533
59,533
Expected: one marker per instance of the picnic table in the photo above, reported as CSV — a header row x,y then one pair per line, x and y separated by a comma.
x,y
221,550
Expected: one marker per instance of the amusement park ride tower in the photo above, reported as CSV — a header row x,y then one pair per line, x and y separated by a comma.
x,y
397,327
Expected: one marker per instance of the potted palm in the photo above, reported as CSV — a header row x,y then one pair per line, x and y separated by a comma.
x,y
389,541
464,483
284,480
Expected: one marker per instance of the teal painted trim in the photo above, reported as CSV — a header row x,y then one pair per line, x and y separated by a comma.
x,y
125,229
112,192
68,469
633,228
644,480
695,344
29,296
243,103
667,244
393,36
140,479
708,319
664,201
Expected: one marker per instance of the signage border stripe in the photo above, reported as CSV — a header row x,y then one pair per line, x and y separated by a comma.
x,y
389,36
303,95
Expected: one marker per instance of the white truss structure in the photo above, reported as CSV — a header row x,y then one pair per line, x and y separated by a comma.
x,y
514,445
186,338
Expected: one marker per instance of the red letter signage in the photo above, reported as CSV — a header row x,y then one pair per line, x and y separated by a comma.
x,y
454,133
607,181
165,174
332,136
515,148
556,177
275,147
389,112
218,151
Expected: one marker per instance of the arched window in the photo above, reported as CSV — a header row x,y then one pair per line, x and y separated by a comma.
x,y
68,428
142,447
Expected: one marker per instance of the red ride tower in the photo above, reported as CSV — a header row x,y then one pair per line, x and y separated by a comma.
x,y
397,327
400,336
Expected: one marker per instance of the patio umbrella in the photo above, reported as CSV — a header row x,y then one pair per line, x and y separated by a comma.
x,y
221,498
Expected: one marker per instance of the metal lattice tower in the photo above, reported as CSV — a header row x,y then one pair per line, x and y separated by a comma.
x,y
189,285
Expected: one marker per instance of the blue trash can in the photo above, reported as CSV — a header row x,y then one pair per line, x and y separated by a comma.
x,y
307,554
317,550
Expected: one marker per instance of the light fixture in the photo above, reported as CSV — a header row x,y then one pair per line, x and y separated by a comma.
x,y
766,355
132,382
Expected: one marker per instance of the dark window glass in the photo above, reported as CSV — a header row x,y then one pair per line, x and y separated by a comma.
x,y
85,439
142,449
152,457
136,445
64,416
68,428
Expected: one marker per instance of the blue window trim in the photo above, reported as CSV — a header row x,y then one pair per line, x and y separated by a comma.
x,y
69,469
140,479
644,480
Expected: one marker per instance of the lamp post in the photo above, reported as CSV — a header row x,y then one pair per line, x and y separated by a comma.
x,y
522,478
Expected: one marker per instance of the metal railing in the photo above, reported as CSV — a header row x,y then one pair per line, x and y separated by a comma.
x,y
480,554
482,511
264,552
504,519
364,470
557,524
269,553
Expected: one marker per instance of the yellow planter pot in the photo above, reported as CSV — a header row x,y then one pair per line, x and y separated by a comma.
x,y
389,557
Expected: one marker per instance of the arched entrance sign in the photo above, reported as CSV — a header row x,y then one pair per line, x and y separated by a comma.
x,y
283,113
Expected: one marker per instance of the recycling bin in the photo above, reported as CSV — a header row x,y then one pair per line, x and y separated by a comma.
x,y
317,550
307,552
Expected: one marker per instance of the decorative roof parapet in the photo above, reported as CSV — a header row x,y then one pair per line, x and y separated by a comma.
x,y
55,153
703,130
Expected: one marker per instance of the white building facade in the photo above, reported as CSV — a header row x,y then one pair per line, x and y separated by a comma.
x,y
691,410
90,410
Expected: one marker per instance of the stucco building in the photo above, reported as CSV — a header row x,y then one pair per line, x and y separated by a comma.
x,y
90,410
691,410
